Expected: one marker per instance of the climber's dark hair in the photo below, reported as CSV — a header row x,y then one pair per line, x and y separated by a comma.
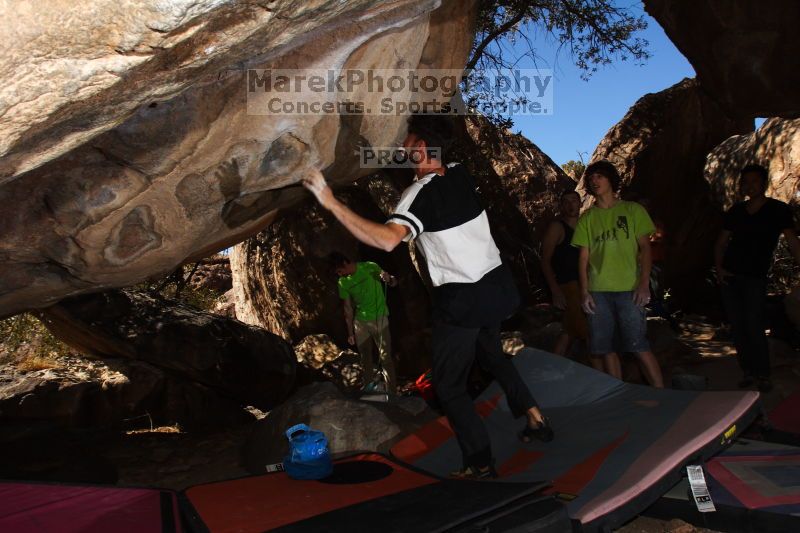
x,y
435,130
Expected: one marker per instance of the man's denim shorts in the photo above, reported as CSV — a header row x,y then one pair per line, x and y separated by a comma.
x,y
617,325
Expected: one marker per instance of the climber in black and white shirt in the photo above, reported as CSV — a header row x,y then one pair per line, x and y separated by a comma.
x,y
443,214
473,291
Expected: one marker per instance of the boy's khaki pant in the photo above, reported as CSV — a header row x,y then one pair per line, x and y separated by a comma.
x,y
370,333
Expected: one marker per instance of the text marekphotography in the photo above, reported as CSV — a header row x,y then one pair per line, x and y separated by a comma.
x,y
397,91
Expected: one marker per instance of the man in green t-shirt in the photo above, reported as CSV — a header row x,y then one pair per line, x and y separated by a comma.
x,y
614,272
361,285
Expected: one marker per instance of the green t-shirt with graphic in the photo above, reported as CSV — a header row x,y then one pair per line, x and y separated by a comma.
x,y
365,288
611,236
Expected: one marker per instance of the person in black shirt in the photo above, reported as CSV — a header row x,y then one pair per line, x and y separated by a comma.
x,y
560,269
743,256
473,290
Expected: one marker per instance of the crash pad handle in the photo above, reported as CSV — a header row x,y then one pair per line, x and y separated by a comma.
x,y
297,428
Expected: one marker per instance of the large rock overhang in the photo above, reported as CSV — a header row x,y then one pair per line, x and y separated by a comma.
x,y
744,52
124,180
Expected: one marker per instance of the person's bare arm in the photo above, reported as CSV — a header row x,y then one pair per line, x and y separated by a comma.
x,y
641,296
587,302
719,254
383,236
794,244
552,237
348,318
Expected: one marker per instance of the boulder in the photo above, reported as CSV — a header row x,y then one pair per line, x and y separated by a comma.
x,y
742,51
116,393
660,148
246,364
350,425
128,147
775,145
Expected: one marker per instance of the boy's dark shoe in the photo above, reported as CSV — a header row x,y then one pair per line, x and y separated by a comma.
x,y
475,473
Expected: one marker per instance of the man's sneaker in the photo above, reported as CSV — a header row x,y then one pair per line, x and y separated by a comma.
x,y
746,381
543,432
370,388
764,385
475,473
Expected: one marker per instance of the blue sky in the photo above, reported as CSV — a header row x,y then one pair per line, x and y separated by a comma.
x,y
585,110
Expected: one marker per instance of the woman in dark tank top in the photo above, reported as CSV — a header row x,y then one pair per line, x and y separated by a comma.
x,y
565,257
560,269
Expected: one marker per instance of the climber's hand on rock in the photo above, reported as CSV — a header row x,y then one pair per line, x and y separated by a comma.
x,y
314,181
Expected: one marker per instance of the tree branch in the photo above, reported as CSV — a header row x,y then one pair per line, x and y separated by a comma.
x,y
500,30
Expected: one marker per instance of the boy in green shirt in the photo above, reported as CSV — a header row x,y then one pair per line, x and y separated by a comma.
x,y
360,285
614,272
